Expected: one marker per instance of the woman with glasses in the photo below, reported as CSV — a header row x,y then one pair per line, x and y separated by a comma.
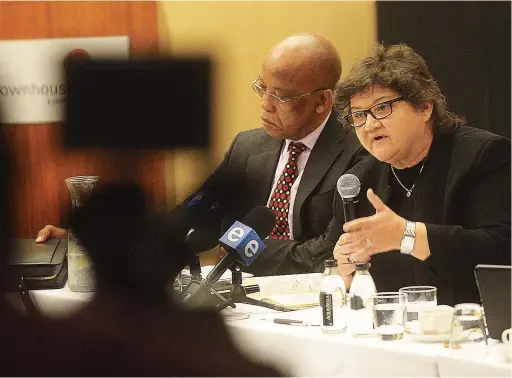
x,y
435,193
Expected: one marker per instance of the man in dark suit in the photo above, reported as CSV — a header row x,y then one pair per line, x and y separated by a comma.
x,y
291,164
295,86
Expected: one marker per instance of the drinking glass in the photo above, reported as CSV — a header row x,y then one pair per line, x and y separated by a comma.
x,y
178,283
417,299
81,275
467,325
389,315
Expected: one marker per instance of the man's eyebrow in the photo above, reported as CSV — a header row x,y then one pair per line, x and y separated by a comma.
x,y
275,88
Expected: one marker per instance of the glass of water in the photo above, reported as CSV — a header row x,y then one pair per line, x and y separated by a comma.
x,y
178,283
389,315
467,325
418,298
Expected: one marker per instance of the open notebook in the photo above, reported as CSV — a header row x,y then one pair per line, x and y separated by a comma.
x,y
293,291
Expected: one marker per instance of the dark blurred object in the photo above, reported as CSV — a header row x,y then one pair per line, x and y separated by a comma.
x,y
466,45
135,254
137,103
493,283
41,265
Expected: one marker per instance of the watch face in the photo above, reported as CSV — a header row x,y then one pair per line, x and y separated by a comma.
x,y
407,244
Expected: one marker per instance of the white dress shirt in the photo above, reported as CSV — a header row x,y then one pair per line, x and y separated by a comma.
x,y
309,141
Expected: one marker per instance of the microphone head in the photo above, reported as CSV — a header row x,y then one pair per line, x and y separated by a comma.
x,y
200,240
262,220
348,186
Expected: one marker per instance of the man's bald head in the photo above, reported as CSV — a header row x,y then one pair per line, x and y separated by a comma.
x,y
305,58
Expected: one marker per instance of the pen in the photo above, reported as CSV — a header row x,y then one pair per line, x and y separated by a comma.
x,y
292,322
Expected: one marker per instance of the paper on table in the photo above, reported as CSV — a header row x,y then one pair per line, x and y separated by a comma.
x,y
293,291
290,284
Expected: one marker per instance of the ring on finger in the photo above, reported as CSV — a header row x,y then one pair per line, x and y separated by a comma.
x,y
368,243
349,260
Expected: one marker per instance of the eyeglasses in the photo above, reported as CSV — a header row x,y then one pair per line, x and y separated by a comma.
x,y
281,100
378,111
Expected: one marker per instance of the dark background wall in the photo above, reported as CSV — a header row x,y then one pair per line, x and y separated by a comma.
x,y
466,46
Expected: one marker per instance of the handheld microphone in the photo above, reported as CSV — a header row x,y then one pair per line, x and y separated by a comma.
x,y
348,188
242,243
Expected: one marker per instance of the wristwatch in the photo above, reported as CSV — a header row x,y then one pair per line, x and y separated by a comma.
x,y
407,243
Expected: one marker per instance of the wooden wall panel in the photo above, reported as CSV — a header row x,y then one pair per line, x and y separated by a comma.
x,y
24,20
101,18
40,164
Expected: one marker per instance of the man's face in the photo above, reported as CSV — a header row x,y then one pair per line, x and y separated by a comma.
x,y
293,119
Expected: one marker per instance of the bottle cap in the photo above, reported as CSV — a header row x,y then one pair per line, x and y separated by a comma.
x,y
363,266
331,263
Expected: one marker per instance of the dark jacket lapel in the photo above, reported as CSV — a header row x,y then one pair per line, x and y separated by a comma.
x,y
324,153
261,168
372,174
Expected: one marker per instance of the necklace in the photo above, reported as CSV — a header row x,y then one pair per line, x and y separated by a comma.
x,y
409,191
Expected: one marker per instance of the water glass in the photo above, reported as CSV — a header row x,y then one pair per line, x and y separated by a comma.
x,y
467,325
178,283
389,315
418,298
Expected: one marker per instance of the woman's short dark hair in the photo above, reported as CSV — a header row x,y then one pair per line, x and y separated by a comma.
x,y
399,68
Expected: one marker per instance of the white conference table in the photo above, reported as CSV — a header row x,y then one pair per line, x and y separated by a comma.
x,y
306,351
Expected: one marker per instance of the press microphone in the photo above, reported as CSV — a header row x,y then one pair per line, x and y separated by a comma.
x,y
243,243
199,240
348,188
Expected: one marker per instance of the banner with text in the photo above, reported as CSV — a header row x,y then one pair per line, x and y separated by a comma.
x,y
32,81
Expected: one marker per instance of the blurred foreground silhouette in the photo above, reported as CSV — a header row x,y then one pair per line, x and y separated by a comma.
x,y
132,327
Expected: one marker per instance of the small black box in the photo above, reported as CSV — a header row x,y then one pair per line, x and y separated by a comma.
x,y
42,265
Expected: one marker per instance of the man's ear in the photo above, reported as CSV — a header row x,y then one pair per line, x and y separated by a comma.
x,y
325,101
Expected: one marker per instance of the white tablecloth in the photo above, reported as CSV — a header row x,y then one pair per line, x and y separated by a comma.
x,y
306,351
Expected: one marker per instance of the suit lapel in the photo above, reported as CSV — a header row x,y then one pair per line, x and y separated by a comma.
x,y
430,194
380,184
372,174
261,168
327,148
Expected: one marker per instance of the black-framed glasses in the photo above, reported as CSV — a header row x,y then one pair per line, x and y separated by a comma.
x,y
378,111
281,100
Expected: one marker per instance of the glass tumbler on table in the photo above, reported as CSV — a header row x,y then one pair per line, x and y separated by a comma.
x,y
418,298
389,315
467,325
81,275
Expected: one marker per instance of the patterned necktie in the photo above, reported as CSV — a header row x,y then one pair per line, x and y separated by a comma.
x,y
280,200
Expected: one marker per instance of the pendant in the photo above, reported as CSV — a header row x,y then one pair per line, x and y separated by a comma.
x,y
408,194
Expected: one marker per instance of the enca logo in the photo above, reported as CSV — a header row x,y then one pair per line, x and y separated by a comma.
x,y
236,234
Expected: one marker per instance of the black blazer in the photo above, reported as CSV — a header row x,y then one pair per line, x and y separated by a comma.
x,y
463,197
244,179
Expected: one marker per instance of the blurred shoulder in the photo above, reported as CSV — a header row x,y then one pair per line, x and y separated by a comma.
x,y
471,144
255,141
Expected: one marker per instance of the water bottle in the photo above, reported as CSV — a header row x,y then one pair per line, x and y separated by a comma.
x,y
332,299
360,314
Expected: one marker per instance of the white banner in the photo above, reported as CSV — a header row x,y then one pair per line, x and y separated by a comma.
x,y
32,81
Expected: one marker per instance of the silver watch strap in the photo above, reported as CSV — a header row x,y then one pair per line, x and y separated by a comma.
x,y
407,243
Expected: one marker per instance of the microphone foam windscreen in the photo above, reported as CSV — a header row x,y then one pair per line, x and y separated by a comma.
x,y
201,239
262,220
348,186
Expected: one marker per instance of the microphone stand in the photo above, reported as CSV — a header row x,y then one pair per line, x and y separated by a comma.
x,y
238,294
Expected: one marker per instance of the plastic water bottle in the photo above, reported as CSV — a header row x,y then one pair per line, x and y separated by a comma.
x,y
360,314
333,299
